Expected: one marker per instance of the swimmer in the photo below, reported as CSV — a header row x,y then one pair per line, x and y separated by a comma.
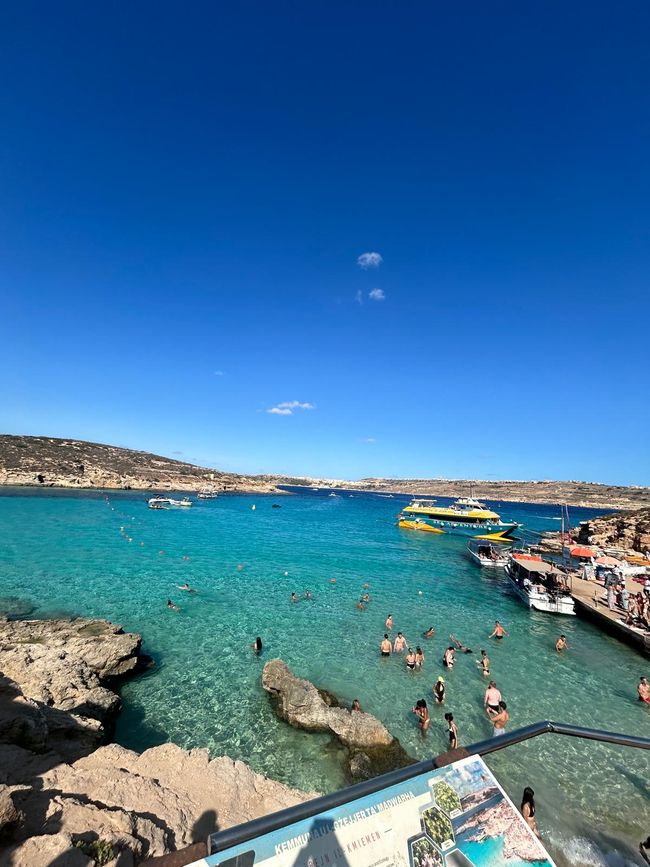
x,y
484,663
366,597
257,646
499,720
429,633
356,706
422,712
499,631
452,731
439,690
419,657
449,658
492,698
561,644
186,587
410,660
643,690
294,597
172,605
308,594
400,644
459,646
389,622
385,646
360,605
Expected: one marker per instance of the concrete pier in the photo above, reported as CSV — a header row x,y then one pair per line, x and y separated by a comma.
x,y
590,602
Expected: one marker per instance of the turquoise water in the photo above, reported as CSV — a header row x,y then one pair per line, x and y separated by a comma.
x,y
489,853
67,554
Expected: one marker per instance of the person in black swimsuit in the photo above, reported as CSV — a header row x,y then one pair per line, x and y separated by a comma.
x,y
528,809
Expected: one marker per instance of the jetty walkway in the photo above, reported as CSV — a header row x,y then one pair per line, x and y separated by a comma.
x,y
590,601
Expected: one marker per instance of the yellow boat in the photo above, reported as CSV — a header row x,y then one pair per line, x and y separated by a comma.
x,y
465,517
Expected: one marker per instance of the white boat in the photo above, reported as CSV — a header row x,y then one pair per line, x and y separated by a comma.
x,y
207,494
333,494
539,584
487,554
169,503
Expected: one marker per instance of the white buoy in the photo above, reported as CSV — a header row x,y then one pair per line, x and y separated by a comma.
x,y
253,507
419,593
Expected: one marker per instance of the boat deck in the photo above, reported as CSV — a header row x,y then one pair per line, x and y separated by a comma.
x,y
591,602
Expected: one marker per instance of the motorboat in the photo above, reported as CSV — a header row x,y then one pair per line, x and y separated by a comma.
x,y
540,584
487,554
465,517
333,494
169,503
207,494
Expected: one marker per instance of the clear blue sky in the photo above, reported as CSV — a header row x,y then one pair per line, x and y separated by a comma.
x,y
186,188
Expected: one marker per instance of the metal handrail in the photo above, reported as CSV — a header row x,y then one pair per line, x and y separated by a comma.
x,y
221,840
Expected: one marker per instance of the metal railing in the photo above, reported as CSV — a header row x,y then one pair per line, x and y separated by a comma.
x,y
221,840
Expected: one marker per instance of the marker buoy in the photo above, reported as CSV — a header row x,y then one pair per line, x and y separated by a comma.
x,y
240,566
253,507
161,552
286,573
419,593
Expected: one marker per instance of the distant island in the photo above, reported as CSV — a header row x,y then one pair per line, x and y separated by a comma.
x,y
69,463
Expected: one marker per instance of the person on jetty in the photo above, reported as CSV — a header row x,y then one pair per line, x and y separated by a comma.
x,y
257,646
399,646
419,657
643,690
439,690
385,646
492,698
172,606
449,657
561,644
528,810
498,631
452,731
410,660
294,597
422,712
499,720
389,622
356,706
484,663
459,645
429,633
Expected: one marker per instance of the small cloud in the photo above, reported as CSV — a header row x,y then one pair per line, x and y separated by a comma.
x,y
177,453
287,407
368,440
359,296
369,260
218,373
376,294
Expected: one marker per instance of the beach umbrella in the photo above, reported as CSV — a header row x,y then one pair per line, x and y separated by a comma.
x,y
577,551
608,561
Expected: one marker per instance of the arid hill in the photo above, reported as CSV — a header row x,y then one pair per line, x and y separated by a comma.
x,y
49,462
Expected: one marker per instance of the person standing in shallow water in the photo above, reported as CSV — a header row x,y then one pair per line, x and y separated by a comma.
x,y
422,712
484,662
561,644
257,646
452,731
400,644
439,690
528,810
410,660
498,631
499,720
385,646
389,622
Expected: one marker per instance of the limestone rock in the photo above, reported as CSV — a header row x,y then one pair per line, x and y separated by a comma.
x,y
629,531
46,851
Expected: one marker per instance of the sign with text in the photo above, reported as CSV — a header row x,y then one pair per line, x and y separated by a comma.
x,y
457,816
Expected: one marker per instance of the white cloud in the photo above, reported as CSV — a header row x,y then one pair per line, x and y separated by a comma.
x,y
218,373
369,260
287,407
368,440
376,294
359,296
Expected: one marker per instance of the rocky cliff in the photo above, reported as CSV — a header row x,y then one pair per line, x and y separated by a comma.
x,y
628,530
48,462
65,799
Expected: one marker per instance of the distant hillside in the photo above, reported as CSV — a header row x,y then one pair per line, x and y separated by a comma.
x,y
49,462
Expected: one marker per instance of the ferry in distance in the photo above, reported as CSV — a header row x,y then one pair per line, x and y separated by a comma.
x,y
465,517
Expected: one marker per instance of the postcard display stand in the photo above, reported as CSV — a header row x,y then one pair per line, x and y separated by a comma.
x,y
456,816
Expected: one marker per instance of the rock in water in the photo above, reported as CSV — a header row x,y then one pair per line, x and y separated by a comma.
x,y
371,747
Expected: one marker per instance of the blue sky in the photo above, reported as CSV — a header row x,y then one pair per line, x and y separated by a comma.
x,y
186,190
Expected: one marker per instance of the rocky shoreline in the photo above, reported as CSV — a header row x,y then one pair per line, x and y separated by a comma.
x,y
66,797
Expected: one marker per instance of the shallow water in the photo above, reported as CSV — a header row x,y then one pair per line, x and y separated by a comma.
x,y
66,553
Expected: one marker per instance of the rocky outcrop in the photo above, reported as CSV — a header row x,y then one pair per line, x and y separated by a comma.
x,y
371,747
518,843
142,805
49,462
629,531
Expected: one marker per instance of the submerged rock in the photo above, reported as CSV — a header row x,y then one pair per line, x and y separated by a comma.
x,y
372,748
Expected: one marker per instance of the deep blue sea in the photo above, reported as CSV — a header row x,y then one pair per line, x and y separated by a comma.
x,y
77,553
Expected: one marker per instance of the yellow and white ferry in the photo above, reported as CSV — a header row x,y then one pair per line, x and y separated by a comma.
x,y
465,517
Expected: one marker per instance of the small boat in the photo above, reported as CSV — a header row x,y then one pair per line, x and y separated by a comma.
x,y
539,584
487,554
169,503
333,494
207,494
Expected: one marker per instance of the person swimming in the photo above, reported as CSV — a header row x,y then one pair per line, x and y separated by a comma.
x,y
186,587
439,690
410,660
172,605
448,658
294,597
429,633
385,646
308,594
459,645
257,646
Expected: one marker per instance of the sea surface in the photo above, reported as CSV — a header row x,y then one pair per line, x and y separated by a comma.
x,y
80,553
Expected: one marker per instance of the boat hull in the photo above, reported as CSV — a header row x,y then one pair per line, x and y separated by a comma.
x,y
494,531
542,601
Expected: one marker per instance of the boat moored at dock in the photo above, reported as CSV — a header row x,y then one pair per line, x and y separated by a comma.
x,y
465,517
487,554
539,584
169,503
